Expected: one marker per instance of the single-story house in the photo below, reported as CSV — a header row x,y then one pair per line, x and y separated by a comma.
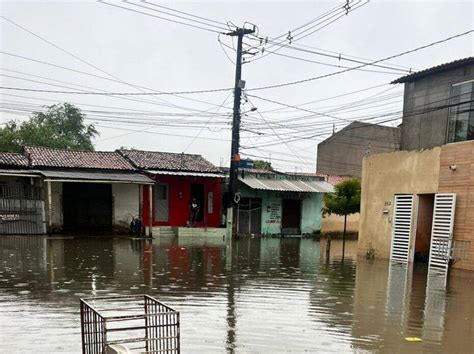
x,y
82,191
419,205
178,179
273,203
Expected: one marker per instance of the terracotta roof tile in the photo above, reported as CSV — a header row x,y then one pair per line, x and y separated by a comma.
x,y
62,158
155,160
13,159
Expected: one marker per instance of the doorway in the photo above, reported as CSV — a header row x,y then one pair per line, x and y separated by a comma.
x,y
291,217
249,216
87,207
424,224
197,192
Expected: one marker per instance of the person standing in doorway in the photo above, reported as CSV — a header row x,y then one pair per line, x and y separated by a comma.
x,y
194,207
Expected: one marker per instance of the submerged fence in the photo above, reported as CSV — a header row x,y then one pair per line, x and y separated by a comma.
x,y
138,322
21,210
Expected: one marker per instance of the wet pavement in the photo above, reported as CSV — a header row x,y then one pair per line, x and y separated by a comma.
x,y
267,295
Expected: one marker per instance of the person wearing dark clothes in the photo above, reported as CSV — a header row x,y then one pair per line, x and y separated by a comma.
x,y
194,208
136,226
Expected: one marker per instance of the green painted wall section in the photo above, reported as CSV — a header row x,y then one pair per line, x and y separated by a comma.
x,y
311,211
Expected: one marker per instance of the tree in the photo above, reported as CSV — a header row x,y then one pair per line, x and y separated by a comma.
x,y
262,165
344,201
61,126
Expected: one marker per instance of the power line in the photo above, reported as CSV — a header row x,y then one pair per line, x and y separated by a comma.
x,y
162,18
362,65
186,13
156,93
107,79
331,65
173,15
201,130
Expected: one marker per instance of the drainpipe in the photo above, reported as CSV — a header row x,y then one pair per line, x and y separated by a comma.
x,y
150,210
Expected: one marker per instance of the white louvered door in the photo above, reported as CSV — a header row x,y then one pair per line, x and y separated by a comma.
x,y
442,231
401,232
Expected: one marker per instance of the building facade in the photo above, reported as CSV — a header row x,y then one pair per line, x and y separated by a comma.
x,y
68,191
178,180
432,113
418,204
279,204
341,154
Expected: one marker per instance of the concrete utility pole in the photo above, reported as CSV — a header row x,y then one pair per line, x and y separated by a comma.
x,y
234,155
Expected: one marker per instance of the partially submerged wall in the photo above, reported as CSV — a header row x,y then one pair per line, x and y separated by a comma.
x,y
383,176
335,223
126,205
457,176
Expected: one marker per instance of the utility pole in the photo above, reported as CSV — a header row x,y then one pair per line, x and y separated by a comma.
x,y
234,155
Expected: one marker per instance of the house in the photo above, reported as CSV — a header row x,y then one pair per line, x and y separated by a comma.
x,y
86,192
418,204
21,196
273,203
178,179
341,154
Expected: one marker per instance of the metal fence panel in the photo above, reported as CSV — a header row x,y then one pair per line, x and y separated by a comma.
x,y
21,210
138,322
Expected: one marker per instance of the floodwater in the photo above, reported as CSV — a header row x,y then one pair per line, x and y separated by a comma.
x,y
267,295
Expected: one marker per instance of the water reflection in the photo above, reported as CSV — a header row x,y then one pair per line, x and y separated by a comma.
x,y
265,295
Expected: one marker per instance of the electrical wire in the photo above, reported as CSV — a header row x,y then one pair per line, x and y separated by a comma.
x,y
362,65
161,18
156,93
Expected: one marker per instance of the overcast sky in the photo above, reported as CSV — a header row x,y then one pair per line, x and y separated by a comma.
x,y
165,56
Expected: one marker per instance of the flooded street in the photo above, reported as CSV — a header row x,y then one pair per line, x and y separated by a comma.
x,y
268,295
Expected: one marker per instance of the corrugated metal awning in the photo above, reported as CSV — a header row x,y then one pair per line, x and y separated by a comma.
x,y
185,173
19,173
285,185
94,176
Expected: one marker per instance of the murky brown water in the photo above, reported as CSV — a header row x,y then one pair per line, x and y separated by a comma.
x,y
270,295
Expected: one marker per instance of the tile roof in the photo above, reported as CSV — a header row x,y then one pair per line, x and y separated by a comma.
x,y
435,69
333,179
155,160
13,159
62,158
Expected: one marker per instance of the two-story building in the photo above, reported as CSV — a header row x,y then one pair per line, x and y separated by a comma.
x,y
417,204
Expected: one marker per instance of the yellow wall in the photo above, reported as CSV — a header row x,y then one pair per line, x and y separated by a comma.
x,y
383,176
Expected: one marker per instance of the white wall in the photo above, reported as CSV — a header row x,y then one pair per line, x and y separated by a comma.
x,y
126,203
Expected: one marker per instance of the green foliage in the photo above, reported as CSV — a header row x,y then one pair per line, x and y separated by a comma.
x,y
262,165
61,126
345,200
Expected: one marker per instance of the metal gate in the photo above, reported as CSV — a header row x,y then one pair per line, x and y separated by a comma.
x,y
442,232
21,210
249,216
401,233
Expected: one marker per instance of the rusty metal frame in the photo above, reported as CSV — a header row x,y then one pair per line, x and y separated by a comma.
x,y
159,326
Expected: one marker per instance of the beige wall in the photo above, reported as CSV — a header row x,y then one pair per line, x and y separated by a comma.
x,y
383,176
335,223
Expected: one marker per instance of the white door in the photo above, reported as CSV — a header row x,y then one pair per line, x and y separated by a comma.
x,y
442,232
401,232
